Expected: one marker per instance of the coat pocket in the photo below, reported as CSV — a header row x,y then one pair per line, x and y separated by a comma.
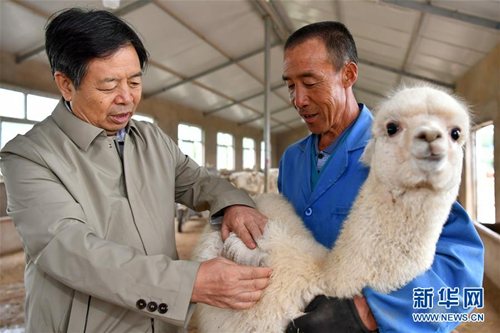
x,y
78,312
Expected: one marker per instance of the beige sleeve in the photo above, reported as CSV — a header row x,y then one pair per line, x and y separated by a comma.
x,y
197,189
58,238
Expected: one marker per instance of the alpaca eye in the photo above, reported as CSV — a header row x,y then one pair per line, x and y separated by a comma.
x,y
392,128
455,133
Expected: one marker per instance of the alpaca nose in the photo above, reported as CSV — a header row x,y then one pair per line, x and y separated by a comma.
x,y
429,134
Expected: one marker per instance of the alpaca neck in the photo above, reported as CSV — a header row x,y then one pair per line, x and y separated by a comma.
x,y
388,231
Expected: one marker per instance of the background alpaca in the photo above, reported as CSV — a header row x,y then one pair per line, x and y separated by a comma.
x,y
390,236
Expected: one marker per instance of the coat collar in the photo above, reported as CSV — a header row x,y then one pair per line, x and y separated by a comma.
x,y
79,131
358,138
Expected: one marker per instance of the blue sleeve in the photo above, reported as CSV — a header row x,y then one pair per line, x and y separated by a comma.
x,y
280,174
458,263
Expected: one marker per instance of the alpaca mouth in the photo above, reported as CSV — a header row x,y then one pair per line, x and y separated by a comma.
x,y
434,158
430,162
430,156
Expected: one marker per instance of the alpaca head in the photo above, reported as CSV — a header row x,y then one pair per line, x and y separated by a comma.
x,y
418,138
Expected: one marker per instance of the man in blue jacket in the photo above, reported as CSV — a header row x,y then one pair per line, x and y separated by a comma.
x,y
320,71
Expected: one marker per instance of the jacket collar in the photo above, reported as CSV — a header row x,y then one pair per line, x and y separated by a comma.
x,y
79,131
358,137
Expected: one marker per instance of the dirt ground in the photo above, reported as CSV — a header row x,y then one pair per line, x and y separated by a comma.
x,y
12,289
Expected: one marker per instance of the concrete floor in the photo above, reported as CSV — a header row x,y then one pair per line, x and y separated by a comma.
x,y
12,290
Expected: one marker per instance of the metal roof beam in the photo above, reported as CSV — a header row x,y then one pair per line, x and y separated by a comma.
x,y
208,113
32,9
281,13
405,73
260,117
279,25
207,72
214,91
119,12
271,11
453,14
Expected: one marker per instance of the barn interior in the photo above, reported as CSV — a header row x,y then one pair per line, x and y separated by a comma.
x,y
214,85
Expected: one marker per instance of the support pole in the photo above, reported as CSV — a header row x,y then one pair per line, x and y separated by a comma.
x,y
267,94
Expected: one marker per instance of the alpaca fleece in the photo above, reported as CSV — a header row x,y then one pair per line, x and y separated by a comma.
x,y
390,235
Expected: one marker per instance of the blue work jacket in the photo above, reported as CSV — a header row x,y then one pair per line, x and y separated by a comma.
x,y
459,253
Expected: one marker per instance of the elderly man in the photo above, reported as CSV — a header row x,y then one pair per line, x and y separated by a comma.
x,y
91,193
320,69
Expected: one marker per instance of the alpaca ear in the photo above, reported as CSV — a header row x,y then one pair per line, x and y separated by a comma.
x,y
366,158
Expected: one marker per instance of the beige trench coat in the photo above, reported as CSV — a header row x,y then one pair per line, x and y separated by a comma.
x,y
98,232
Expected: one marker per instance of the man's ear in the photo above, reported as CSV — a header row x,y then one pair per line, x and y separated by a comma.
x,y
65,85
350,74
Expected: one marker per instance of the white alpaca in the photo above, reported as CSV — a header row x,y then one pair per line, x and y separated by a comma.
x,y
390,235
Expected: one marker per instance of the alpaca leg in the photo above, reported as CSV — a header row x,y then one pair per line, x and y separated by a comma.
x,y
234,249
209,245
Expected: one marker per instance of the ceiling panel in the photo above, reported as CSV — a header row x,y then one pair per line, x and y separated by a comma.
x,y
432,74
21,30
155,79
51,6
171,44
487,9
260,123
280,129
235,113
283,92
437,64
375,86
448,52
258,103
376,74
194,97
379,14
41,57
379,59
465,35
224,23
256,65
409,81
309,11
297,24
286,116
377,33
385,54
236,82
444,49
370,100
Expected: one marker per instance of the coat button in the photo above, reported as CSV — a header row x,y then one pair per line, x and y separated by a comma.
x,y
152,306
308,211
162,308
141,304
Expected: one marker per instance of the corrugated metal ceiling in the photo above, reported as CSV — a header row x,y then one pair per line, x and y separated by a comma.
x,y
208,55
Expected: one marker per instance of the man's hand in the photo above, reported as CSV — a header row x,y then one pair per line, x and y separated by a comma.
x,y
365,313
330,314
224,284
246,222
